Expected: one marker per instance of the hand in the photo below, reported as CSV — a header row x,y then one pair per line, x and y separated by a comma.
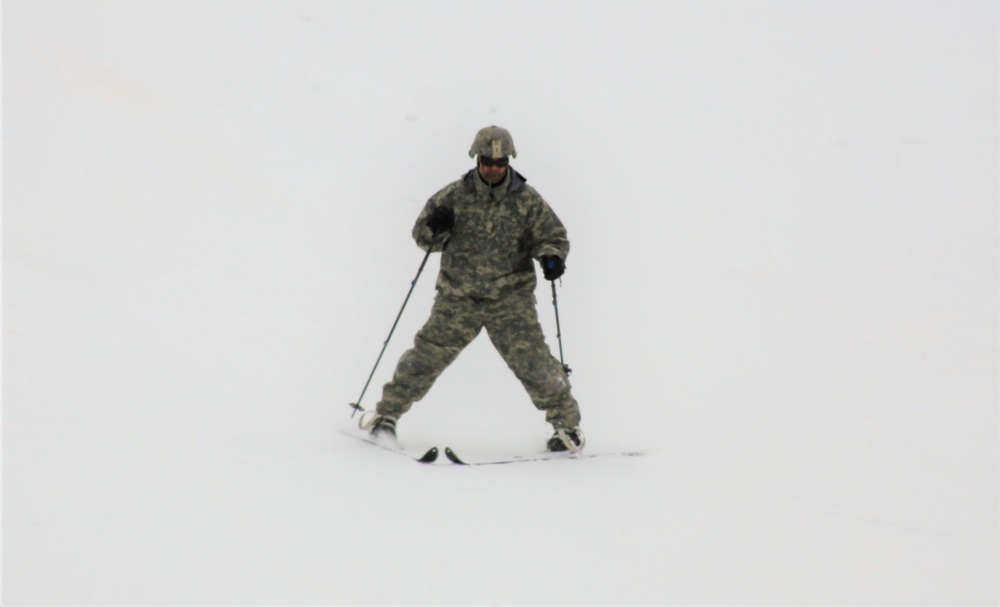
x,y
441,220
552,266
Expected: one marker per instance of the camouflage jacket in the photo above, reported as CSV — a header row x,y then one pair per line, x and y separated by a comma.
x,y
498,231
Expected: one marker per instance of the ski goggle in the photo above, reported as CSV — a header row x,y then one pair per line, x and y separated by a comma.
x,y
494,162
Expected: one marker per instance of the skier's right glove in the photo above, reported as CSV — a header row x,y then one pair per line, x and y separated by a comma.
x,y
441,220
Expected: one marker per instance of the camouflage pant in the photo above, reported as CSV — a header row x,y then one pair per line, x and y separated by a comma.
x,y
512,326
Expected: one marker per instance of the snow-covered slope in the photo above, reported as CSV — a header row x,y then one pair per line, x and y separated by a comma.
x,y
783,284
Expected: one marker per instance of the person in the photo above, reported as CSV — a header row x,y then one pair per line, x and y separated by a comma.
x,y
488,226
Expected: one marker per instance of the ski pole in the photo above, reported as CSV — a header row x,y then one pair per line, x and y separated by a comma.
x,y
555,304
357,406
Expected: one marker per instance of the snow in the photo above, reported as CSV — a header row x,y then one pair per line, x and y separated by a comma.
x,y
783,285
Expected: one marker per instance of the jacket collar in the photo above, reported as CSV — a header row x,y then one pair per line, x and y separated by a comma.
x,y
516,179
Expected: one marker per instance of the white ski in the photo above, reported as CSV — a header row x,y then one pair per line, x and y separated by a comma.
x,y
427,458
537,457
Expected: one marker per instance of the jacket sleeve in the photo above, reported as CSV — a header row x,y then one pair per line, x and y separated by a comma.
x,y
548,235
421,233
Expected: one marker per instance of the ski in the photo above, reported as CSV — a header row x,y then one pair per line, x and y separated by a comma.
x,y
427,458
536,457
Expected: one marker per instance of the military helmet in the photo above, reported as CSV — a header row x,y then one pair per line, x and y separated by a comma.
x,y
493,142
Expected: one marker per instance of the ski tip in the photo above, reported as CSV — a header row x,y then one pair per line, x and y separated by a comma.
x,y
429,457
453,457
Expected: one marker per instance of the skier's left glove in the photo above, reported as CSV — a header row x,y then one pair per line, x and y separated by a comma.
x,y
552,266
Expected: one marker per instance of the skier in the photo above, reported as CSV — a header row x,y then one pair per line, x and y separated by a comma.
x,y
488,225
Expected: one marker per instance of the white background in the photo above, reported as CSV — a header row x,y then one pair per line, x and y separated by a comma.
x,y
783,285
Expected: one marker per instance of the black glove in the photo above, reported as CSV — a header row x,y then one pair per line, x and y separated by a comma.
x,y
441,220
553,267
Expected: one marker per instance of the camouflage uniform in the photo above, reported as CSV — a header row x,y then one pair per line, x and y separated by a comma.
x,y
487,280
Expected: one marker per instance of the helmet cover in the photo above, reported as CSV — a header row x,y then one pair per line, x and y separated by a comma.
x,y
493,142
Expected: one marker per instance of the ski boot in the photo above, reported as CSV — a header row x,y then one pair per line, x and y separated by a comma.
x,y
380,426
567,439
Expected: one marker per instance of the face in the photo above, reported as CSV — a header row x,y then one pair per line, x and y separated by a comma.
x,y
493,170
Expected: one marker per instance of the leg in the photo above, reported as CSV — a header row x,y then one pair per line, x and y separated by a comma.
x,y
515,332
450,328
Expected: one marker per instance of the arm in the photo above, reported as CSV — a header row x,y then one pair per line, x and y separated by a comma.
x,y
434,223
549,236
551,242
